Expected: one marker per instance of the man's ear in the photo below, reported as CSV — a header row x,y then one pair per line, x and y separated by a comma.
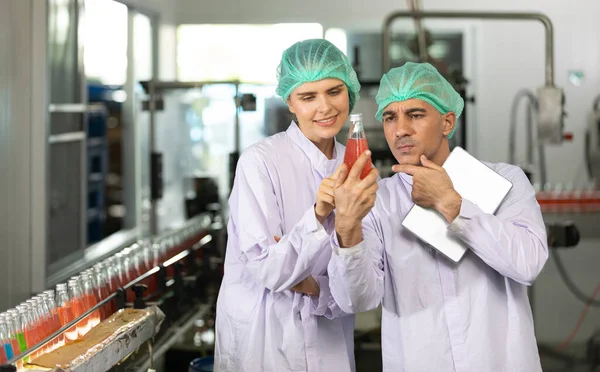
x,y
449,121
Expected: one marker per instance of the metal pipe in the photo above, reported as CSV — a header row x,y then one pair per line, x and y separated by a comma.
x,y
512,136
169,85
415,6
549,64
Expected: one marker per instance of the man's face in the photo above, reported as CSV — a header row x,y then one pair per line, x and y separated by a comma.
x,y
413,128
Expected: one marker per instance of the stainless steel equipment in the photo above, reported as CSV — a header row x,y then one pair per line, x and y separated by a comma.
x,y
550,98
156,90
592,144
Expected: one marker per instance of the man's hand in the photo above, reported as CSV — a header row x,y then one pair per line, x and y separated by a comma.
x,y
432,188
307,286
325,201
354,198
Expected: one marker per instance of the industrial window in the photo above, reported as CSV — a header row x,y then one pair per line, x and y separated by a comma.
x,y
249,53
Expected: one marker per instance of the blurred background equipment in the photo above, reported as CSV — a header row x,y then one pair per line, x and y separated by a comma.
x,y
121,122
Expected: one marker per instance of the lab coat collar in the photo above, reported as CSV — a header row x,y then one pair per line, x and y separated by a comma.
x,y
320,163
407,178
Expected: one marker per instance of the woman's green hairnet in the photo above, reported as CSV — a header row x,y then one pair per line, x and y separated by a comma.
x,y
314,60
420,81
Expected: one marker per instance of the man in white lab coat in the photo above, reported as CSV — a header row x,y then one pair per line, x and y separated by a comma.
x,y
438,316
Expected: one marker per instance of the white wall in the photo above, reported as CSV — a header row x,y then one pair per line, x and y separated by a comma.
x,y
506,57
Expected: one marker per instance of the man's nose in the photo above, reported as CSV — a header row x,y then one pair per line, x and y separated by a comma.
x,y
403,128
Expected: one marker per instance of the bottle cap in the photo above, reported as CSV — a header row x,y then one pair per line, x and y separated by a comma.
x,y
356,117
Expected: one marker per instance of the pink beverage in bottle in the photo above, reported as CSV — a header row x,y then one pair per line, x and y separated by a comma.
x,y
121,274
137,261
45,320
146,257
146,263
135,255
78,306
51,304
89,299
127,265
65,311
103,287
41,325
3,358
357,144
45,313
112,279
91,272
37,325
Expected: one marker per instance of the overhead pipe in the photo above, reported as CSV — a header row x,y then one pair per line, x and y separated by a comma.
x,y
417,15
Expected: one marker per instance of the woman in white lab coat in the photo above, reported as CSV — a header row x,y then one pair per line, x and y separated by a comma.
x,y
274,310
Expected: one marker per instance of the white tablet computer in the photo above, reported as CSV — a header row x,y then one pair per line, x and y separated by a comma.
x,y
474,181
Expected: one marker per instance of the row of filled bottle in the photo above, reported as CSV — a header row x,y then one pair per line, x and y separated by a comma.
x,y
39,317
568,199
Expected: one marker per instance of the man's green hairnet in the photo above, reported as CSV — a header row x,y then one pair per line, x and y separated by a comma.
x,y
419,81
314,60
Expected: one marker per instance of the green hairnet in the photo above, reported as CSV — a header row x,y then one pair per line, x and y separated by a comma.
x,y
314,60
420,81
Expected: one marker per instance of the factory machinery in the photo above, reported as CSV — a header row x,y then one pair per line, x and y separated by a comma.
x,y
148,295
131,308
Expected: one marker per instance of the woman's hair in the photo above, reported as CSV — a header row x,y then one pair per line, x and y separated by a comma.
x,y
314,60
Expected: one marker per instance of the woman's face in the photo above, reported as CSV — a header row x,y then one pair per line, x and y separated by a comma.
x,y
321,107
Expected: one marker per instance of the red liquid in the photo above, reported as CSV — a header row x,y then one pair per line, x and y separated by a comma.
x,y
354,149
66,316
31,337
89,301
15,346
55,327
78,307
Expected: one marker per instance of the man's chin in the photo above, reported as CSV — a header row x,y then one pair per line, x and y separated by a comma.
x,y
408,159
